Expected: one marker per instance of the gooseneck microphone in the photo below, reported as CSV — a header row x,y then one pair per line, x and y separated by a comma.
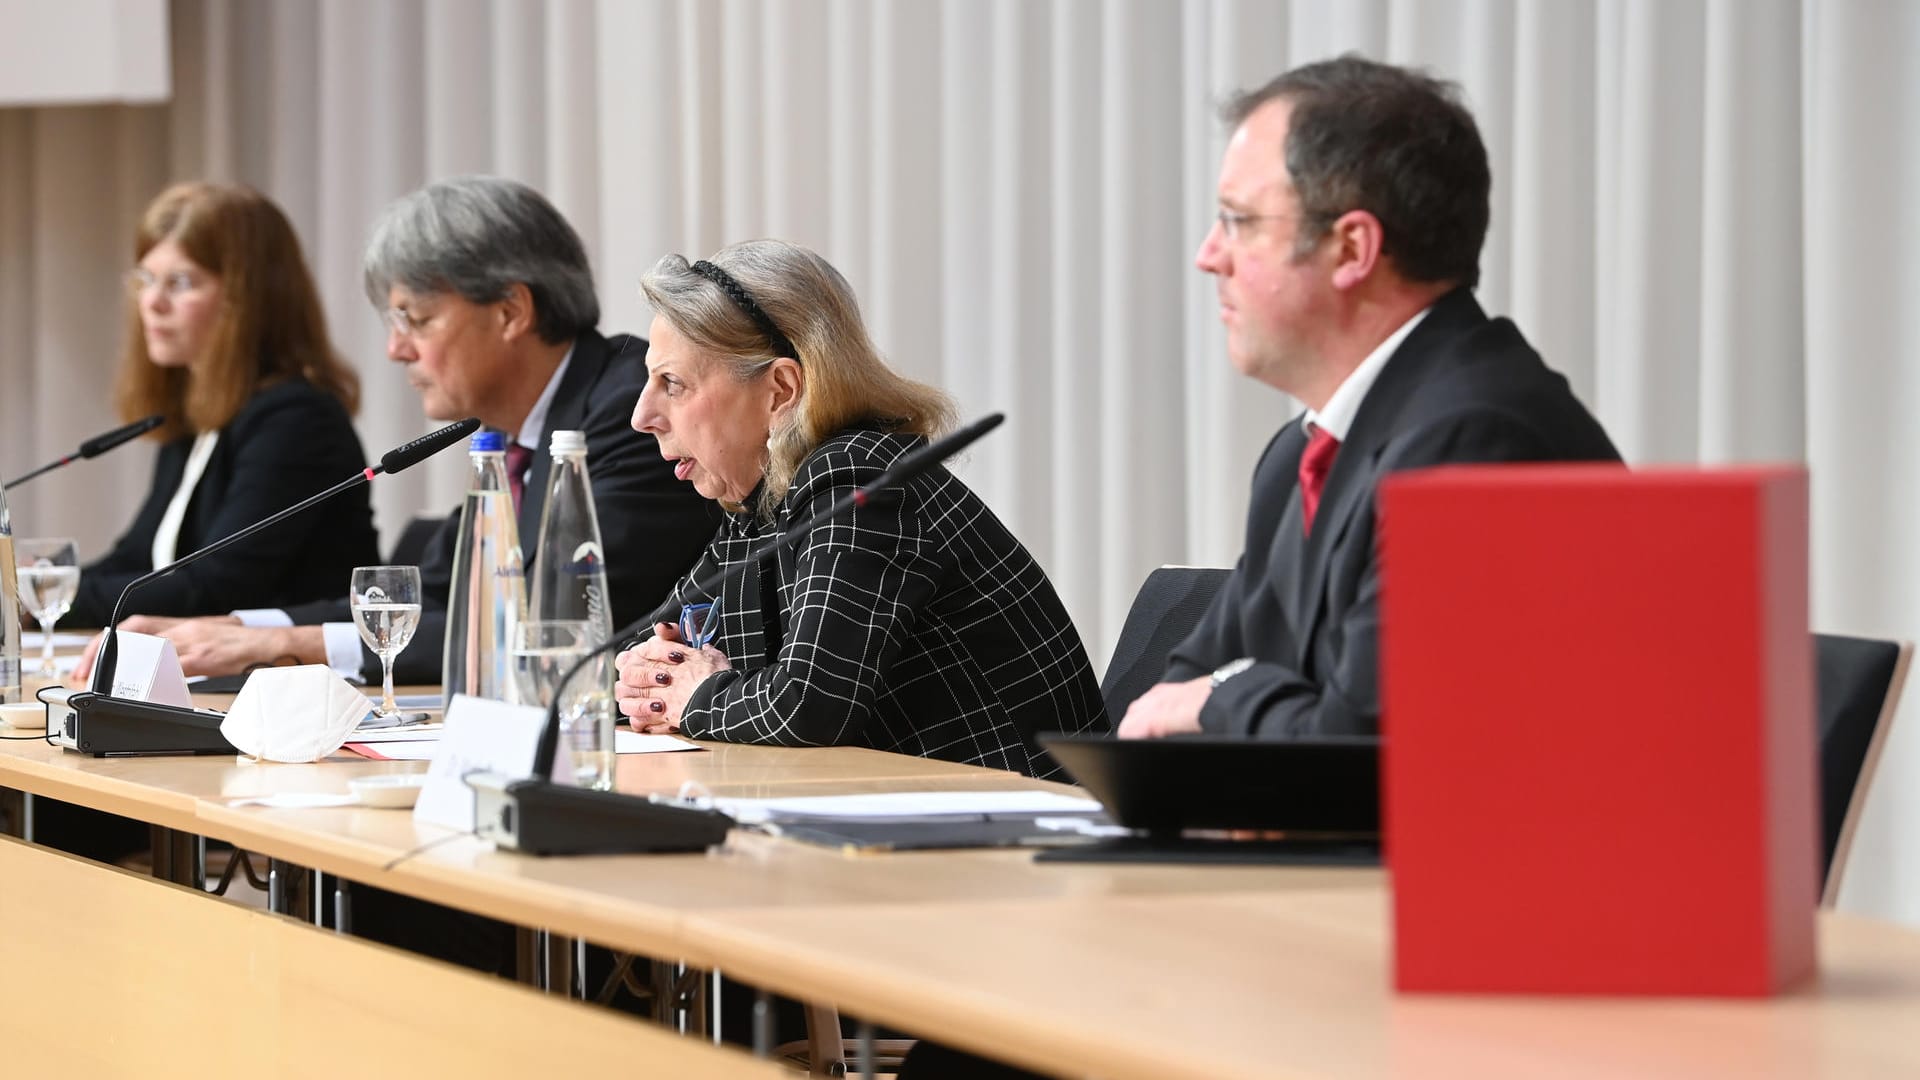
x,y
545,818
407,455
100,687
106,441
94,447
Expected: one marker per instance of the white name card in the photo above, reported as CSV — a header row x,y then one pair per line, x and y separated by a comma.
x,y
480,734
148,670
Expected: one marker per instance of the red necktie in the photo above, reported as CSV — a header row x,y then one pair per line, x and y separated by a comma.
x,y
518,458
1315,463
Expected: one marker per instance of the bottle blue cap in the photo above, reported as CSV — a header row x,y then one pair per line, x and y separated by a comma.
x,y
485,441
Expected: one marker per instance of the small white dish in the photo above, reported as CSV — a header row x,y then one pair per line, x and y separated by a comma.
x,y
26,715
295,800
388,790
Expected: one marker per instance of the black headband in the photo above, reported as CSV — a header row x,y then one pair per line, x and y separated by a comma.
x,y
745,302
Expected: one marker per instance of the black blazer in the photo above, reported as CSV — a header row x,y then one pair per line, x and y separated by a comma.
x,y
1461,388
652,525
289,441
916,624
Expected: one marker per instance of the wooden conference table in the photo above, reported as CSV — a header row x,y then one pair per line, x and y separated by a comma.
x,y
111,974
1081,970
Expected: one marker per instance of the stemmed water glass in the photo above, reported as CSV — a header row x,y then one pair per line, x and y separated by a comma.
x,y
386,609
49,571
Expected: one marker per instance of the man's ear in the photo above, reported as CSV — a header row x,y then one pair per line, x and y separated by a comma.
x,y
787,380
1358,242
516,313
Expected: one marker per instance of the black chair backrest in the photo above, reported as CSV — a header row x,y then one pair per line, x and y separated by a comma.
x,y
413,541
1169,604
1857,685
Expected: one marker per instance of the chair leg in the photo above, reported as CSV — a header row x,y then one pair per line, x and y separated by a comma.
x,y
826,1051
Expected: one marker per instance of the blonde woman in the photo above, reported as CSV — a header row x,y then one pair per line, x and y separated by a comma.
x,y
916,623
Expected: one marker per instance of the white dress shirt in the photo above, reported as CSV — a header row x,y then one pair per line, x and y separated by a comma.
x,y
166,537
1336,418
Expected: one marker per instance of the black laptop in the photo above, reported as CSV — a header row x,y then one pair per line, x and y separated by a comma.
x,y
1183,795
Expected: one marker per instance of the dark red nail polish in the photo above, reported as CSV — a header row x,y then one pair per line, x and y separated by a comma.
x,y
676,656
657,706
662,678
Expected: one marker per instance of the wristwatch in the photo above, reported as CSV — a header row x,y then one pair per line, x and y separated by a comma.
x,y
1229,669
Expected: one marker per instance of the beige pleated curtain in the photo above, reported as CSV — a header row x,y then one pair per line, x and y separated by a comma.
x,y
1703,214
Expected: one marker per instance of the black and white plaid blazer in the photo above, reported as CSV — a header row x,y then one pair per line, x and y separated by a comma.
x,y
916,624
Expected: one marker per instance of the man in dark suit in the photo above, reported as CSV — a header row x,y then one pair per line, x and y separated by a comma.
x,y
491,306
1353,205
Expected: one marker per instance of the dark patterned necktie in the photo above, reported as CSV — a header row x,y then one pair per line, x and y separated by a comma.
x,y
518,459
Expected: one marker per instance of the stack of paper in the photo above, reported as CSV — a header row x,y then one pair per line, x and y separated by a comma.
x,y
417,742
909,805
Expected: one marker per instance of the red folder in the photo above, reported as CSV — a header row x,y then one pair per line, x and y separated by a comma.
x,y
1600,760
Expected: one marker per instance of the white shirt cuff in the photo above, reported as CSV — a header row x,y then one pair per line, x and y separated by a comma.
x,y
265,616
343,649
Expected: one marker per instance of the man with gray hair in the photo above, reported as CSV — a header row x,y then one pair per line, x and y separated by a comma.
x,y
490,304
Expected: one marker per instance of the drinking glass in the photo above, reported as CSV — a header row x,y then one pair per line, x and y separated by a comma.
x,y
386,609
49,571
541,651
541,654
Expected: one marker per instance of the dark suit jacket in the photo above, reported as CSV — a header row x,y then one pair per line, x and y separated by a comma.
x,y
289,441
1461,388
915,623
652,526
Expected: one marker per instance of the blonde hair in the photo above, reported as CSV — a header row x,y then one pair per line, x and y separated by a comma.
x,y
846,382
269,327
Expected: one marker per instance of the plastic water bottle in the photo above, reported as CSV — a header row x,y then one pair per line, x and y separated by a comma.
x,y
9,611
570,583
488,596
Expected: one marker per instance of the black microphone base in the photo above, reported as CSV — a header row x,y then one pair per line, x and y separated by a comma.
x,y
541,818
105,726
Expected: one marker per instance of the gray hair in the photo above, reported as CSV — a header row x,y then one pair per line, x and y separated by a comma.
x,y
476,236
